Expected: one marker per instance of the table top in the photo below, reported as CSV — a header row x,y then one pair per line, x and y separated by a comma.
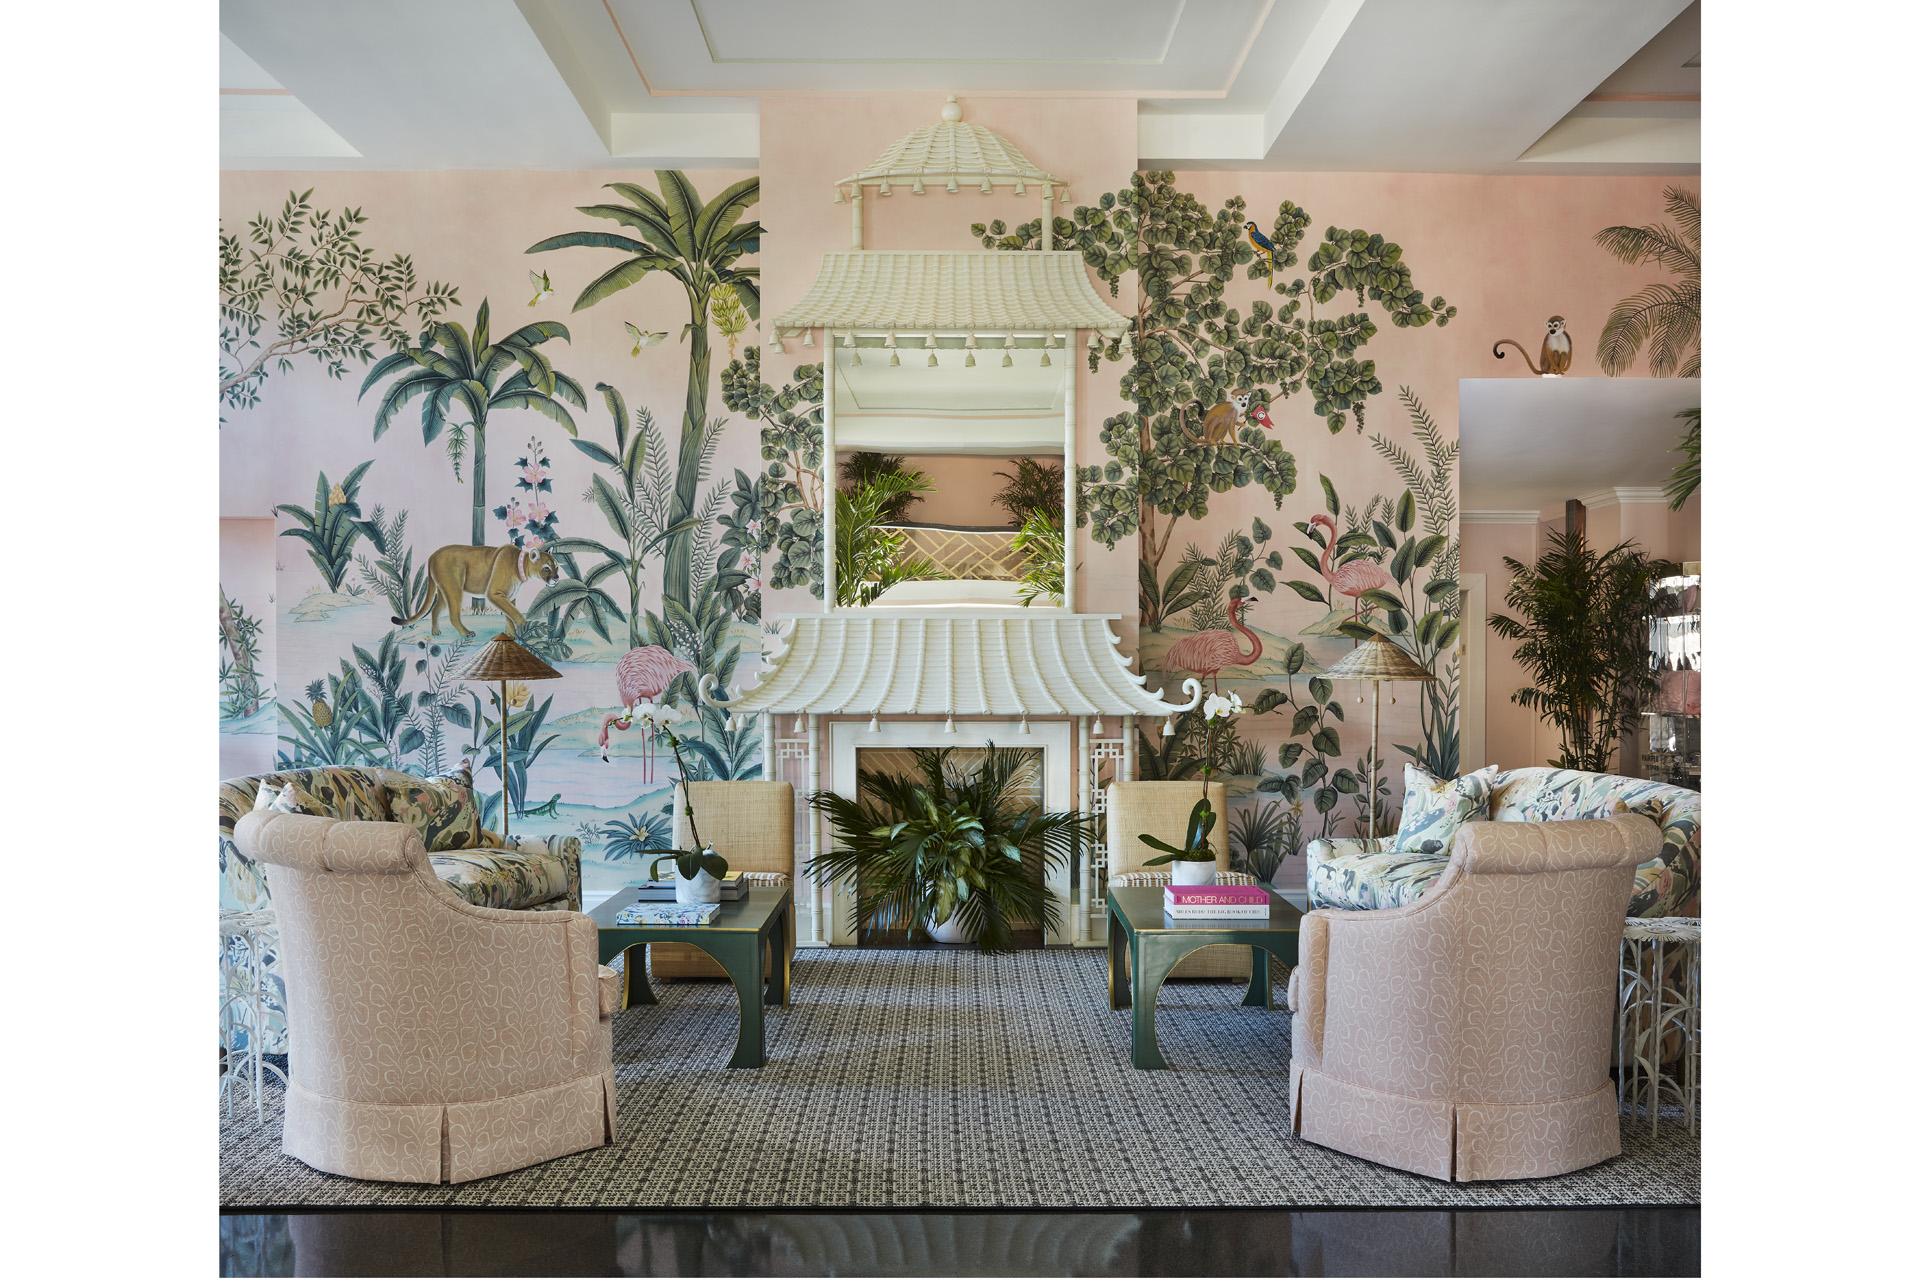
x,y
751,914
1141,909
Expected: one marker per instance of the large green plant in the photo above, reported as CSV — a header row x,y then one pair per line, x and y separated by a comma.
x,y
1685,480
867,555
1191,350
925,850
452,366
1042,545
1033,488
1581,625
700,245
1664,317
865,466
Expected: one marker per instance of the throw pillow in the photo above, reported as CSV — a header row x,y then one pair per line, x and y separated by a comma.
x,y
441,810
1437,808
265,796
293,800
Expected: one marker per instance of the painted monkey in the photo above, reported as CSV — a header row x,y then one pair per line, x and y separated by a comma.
x,y
1221,420
1556,350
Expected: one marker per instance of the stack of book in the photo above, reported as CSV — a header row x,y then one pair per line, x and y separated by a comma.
x,y
1216,902
667,913
732,889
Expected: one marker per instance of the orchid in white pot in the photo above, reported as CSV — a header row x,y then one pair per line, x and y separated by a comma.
x,y
699,870
1193,860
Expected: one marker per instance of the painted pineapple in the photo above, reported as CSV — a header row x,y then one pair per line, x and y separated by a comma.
x,y
322,713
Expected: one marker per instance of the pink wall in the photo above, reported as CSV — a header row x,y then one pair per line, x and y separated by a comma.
x,y
964,487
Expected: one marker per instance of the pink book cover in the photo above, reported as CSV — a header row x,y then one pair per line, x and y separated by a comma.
x,y
1217,895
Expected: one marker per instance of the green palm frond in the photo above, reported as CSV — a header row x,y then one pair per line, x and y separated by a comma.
x,y
1663,317
1685,481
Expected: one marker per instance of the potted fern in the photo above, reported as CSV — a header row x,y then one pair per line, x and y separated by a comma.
x,y
947,853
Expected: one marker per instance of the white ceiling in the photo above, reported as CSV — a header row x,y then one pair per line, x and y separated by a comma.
x,y
1529,444
1469,86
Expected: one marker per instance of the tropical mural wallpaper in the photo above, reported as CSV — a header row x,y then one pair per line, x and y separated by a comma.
x,y
621,472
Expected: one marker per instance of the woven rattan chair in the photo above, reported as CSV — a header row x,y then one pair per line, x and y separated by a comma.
x,y
750,824
1161,809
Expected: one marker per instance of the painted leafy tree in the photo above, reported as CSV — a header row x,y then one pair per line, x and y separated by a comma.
x,y
700,245
1664,317
452,367
323,294
1191,349
780,514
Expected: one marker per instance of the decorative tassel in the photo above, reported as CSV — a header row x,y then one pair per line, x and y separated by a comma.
x,y
1019,188
953,184
986,186
933,360
1166,730
894,360
1097,728
1023,726
885,190
1006,358
949,722
919,187
808,340
839,196
873,725
970,350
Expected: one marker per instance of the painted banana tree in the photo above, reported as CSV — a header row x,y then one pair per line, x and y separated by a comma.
x,y
452,366
699,244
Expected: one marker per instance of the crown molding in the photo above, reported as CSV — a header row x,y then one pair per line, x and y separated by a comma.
x,y
1622,495
1499,517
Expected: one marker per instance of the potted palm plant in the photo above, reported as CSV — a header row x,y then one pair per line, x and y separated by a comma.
x,y
1192,859
948,853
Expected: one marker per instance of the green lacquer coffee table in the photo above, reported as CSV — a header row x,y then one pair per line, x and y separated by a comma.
x,y
740,936
1143,945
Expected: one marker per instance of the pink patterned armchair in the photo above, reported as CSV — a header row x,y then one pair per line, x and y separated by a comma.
x,y
1467,1036
430,1039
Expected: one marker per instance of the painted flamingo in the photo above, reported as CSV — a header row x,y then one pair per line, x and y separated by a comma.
x,y
641,676
1204,653
1352,579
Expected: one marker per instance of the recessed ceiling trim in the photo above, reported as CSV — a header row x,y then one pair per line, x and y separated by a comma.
x,y
257,93
1104,92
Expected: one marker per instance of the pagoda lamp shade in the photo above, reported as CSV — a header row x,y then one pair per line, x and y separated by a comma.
x,y
503,658
1377,658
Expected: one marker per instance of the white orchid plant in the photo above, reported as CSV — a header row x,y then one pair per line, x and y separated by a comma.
x,y
660,717
1216,710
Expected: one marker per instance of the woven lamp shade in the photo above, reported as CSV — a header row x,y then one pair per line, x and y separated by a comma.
x,y
504,658
1378,658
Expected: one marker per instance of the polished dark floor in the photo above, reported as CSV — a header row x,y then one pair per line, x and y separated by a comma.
x,y
1200,1242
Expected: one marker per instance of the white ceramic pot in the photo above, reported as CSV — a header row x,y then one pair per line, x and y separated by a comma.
x,y
951,932
1194,872
702,888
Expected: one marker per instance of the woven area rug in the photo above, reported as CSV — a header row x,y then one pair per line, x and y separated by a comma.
x,y
945,1078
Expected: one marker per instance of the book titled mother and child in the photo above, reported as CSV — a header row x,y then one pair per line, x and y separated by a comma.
x,y
1216,902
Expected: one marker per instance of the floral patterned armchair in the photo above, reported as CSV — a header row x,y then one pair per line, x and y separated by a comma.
x,y
529,875
1362,875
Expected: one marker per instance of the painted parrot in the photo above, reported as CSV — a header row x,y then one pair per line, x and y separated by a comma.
x,y
1265,248
541,286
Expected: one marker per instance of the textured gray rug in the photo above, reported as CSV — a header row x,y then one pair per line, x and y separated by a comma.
x,y
944,1078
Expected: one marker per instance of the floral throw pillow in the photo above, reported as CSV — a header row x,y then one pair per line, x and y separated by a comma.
x,y
1436,808
441,810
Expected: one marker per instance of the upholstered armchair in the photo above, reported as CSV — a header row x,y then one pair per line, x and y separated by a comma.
x,y
431,1040
1161,809
750,824
1467,1036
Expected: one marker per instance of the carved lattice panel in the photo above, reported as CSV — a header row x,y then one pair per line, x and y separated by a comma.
x,y
980,555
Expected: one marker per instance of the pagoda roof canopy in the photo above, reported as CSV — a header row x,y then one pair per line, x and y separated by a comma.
x,y
952,662
963,291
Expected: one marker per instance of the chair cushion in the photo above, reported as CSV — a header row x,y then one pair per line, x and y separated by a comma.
x,y
1370,881
441,810
508,879
1436,808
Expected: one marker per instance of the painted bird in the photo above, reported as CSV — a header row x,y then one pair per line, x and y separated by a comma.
x,y
643,338
1265,248
541,286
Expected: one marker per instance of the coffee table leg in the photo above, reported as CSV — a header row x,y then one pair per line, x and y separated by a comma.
x,y
1260,985
776,940
1153,959
740,957
638,989
1119,995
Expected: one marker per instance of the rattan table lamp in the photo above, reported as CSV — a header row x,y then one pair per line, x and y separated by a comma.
x,y
1377,659
503,658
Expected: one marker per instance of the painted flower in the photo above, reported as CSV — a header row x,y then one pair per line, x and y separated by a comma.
x,y
753,528
753,584
537,512
516,518
532,474
749,561
519,692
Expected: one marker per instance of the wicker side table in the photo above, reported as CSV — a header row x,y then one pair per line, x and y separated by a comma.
x,y
1659,1005
245,937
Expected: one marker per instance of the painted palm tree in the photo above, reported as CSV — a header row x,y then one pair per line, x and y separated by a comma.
x,y
699,245
452,366
1665,316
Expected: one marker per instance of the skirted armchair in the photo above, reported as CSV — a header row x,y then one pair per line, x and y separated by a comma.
x,y
1161,809
750,824
1467,1036
431,1040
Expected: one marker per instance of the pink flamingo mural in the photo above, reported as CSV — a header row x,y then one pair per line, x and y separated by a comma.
x,y
1352,579
641,676
1204,653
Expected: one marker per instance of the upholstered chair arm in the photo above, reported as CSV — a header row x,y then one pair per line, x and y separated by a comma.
x,y
489,1002
1307,988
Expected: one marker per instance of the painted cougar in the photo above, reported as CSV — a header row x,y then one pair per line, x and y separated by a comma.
x,y
492,572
